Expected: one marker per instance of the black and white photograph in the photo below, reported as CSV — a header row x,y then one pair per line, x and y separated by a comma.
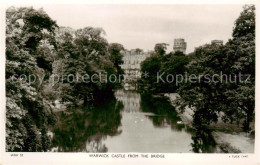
x,y
126,80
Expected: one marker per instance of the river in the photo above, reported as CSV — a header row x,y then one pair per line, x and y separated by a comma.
x,y
130,122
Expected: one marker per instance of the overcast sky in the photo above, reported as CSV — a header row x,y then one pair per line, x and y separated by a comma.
x,y
142,26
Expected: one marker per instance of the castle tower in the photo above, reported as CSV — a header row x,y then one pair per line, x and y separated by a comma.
x,y
179,45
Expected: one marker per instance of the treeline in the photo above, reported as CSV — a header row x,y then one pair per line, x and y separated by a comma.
x,y
38,49
158,66
233,99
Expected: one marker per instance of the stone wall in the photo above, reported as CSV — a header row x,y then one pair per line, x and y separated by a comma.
x,y
132,64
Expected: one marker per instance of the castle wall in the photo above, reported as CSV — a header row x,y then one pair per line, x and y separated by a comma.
x,y
132,64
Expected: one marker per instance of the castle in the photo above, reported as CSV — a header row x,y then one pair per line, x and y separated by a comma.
x,y
179,45
132,63
134,57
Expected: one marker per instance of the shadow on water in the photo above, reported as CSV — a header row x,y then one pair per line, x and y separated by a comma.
x,y
165,113
203,141
82,129
131,122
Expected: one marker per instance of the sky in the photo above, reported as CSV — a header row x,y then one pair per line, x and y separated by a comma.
x,y
142,26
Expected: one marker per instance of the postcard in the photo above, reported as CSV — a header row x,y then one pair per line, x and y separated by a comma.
x,y
112,82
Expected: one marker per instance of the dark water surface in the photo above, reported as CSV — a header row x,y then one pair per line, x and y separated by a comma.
x,y
127,123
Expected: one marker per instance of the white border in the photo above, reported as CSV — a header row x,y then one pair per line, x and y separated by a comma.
x,y
83,158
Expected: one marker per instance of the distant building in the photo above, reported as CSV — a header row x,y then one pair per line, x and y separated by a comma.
x,y
179,45
132,63
217,42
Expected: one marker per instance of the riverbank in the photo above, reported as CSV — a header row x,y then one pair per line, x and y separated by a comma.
x,y
229,137
186,115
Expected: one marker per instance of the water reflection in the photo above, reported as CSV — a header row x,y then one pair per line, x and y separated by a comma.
x,y
203,141
129,123
84,129
165,113
148,127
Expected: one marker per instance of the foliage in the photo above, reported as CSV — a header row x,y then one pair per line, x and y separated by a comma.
x,y
245,24
160,48
29,51
36,46
156,65
231,97
138,50
116,57
86,52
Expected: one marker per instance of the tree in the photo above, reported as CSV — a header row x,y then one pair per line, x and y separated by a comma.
x,y
173,65
87,53
178,53
29,45
234,98
242,50
160,48
245,24
151,66
138,50
162,64
116,56
36,46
